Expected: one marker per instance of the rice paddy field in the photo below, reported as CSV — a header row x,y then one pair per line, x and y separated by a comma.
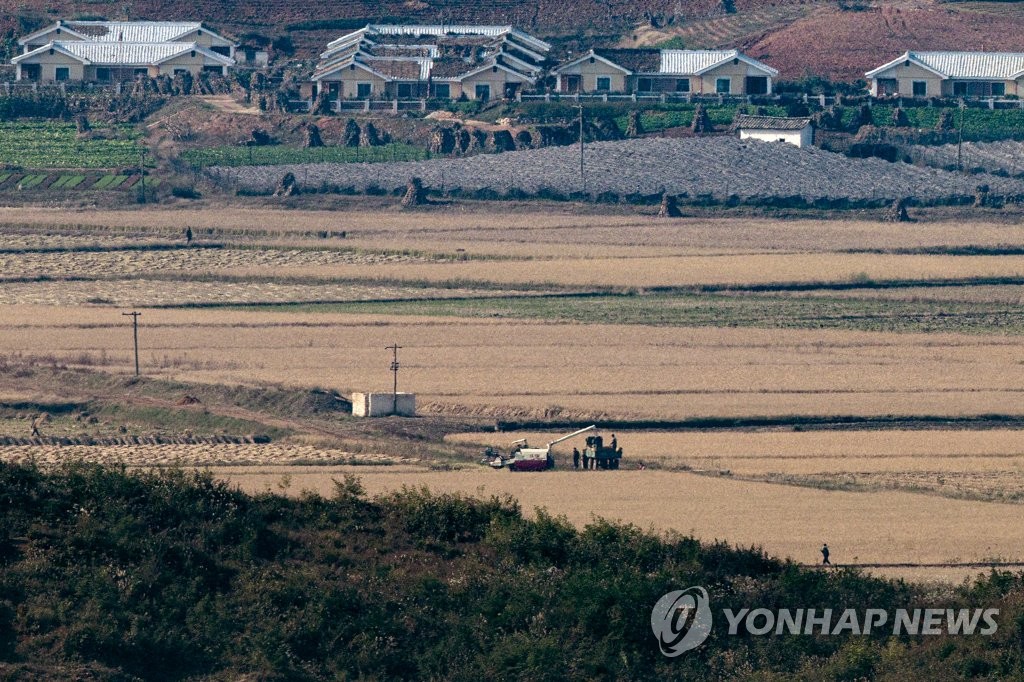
x,y
782,383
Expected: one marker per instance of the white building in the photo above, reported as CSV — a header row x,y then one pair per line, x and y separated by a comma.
x,y
798,132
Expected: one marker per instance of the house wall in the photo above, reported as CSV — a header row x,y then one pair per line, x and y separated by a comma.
x,y
186,61
906,75
495,80
350,79
797,138
56,34
736,72
50,62
706,83
588,74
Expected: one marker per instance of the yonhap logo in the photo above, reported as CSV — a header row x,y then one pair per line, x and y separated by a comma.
x,y
681,620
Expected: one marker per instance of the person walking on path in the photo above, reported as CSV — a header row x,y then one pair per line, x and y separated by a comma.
x,y
824,555
188,235
575,458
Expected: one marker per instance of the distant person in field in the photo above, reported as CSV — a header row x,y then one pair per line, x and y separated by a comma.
x,y
575,458
586,460
36,423
824,555
188,235
615,444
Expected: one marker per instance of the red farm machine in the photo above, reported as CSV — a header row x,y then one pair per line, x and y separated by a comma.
x,y
522,457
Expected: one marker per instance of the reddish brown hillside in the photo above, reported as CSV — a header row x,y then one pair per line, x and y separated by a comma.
x,y
843,45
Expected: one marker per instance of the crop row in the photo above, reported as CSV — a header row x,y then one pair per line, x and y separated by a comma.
x,y
719,166
276,155
58,145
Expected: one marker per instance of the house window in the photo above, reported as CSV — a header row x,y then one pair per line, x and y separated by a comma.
x,y
219,49
998,89
483,91
364,89
404,90
443,90
604,83
723,86
103,73
644,85
62,73
920,88
333,90
682,85
757,85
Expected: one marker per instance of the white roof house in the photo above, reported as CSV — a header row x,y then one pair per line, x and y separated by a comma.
x,y
935,74
408,60
684,71
125,32
118,50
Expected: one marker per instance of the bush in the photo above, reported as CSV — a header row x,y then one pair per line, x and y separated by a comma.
x,y
185,193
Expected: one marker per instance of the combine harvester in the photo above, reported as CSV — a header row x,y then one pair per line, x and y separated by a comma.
x,y
522,457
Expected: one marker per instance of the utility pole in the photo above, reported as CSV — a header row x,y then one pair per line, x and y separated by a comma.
x,y
394,368
135,333
583,178
960,139
142,171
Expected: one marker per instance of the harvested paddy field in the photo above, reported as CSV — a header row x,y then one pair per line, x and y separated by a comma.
x,y
860,527
870,370
529,369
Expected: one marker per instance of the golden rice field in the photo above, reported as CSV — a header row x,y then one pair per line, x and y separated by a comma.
x,y
887,494
523,369
860,527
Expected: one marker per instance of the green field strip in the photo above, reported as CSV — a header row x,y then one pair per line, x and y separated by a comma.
x,y
104,182
30,181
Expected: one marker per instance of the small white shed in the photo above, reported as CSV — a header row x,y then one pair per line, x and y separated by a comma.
x,y
383,404
798,132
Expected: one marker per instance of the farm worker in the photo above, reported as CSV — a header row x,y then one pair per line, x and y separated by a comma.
x,y
615,443
586,460
188,235
36,423
824,555
575,458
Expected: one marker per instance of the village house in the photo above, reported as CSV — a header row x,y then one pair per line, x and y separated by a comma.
x,y
651,71
950,74
114,51
798,132
420,61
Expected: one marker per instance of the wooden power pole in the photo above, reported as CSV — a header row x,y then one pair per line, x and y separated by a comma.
x,y
394,369
135,334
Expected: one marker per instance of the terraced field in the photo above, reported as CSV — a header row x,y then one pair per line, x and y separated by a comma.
x,y
989,157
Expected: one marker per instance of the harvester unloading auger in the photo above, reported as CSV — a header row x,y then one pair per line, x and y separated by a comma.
x,y
522,457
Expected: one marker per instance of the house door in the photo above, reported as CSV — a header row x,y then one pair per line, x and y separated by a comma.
x,y
757,85
888,86
572,84
31,72
510,90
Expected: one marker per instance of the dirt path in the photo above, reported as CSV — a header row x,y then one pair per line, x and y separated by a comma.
x,y
228,105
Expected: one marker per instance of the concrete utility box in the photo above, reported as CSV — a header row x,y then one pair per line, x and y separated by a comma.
x,y
383,404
